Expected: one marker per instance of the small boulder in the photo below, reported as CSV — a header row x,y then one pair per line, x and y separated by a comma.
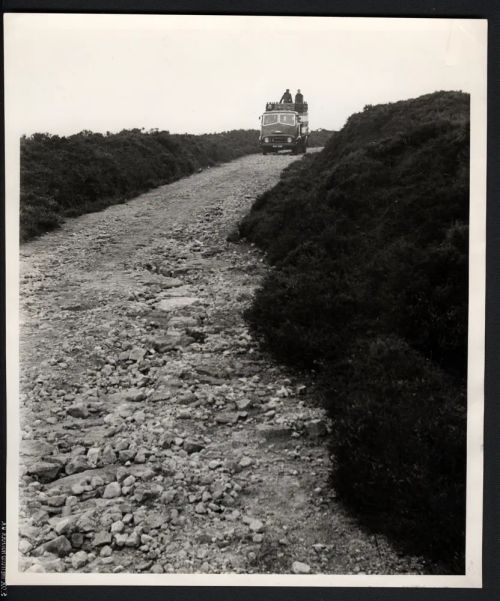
x,y
59,546
65,525
254,524
78,410
111,491
170,304
245,461
102,538
79,559
228,418
108,455
298,567
192,446
93,456
76,465
137,354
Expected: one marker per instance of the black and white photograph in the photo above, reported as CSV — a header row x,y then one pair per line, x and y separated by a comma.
x,y
245,299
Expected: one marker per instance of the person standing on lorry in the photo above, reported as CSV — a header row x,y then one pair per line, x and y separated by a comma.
x,y
287,97
299,99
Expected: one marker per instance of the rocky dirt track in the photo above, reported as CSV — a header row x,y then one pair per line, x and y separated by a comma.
x,y
156,437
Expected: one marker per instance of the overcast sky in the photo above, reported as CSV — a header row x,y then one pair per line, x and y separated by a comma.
x,y
66,73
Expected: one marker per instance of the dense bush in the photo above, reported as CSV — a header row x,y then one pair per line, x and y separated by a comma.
x,y
369,246
319,137
400,448
68,176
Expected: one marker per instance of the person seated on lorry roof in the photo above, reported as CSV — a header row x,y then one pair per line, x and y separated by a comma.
x,y
287,97
299,98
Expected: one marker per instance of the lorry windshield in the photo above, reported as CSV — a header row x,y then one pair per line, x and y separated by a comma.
x,y
287,118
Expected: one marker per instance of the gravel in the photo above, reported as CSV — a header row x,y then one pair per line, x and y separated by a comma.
x,y
156,436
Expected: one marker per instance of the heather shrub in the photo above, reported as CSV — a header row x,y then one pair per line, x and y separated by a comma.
x,y
69,176
368,242
319,137
399,445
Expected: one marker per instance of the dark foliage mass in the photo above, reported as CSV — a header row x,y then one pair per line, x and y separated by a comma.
x,y
319,137
369,246
68,176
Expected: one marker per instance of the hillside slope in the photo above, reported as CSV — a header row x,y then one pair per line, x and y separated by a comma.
x,y
369,241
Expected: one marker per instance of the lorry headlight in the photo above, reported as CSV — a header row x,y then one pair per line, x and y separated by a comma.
x,y
266,140
289,140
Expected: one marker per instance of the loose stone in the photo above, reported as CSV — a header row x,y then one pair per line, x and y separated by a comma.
x,y
299,567
112,490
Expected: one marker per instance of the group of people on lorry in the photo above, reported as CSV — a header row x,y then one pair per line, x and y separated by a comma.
x,y
287,97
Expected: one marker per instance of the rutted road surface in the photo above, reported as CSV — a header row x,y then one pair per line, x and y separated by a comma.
x,y
156,437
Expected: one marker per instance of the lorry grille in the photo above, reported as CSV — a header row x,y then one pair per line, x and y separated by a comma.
x,y
278,139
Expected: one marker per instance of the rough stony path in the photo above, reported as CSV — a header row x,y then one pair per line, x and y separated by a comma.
x,y
156,437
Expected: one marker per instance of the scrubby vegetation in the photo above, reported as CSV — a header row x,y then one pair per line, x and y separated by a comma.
x,y
369,246
68,176
319,137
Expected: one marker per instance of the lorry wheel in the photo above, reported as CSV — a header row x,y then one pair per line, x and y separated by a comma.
x,y
264,152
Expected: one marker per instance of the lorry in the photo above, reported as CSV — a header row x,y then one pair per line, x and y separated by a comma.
x,y
284,126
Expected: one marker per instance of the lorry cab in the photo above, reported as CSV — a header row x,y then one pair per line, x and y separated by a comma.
x,y
284,126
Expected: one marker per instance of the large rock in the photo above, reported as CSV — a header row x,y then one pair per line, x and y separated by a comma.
x,y
212,368
59,546
170,304
126,455
168,282
274,432
226,418
161,394
168,342
76,465
56,500
145,492
44,471
177,292
107,474
180,321
36,448
65,525
130,394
